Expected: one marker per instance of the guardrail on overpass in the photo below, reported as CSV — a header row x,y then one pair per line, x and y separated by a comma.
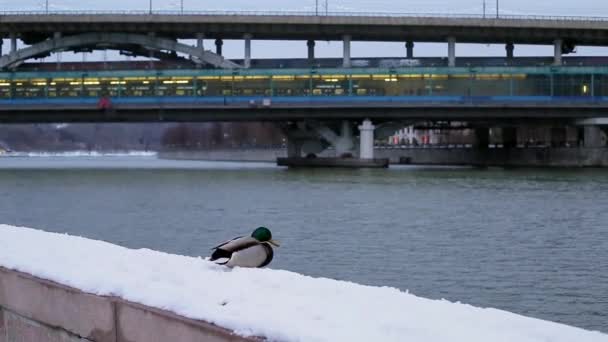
x,y
305,13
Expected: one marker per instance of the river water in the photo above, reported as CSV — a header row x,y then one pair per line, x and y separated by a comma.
x,y
534,242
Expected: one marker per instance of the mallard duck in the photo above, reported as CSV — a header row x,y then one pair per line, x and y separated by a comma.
x,y
246,251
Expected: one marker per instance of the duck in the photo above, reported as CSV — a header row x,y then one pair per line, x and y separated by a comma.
x,y
253,251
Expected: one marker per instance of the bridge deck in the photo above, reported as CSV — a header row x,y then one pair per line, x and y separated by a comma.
x,y
303,26
242,108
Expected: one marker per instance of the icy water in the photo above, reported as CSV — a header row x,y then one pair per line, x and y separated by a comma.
x,y
534,242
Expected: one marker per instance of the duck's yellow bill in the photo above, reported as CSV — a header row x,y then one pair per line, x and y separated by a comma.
x,y
274,243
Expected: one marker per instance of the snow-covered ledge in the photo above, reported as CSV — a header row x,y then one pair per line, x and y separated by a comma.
x,y
104,292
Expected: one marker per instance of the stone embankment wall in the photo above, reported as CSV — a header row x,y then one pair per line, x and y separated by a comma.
x,y
37,310
246,155
518,157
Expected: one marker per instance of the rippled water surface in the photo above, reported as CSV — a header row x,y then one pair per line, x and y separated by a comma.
x,y
533,242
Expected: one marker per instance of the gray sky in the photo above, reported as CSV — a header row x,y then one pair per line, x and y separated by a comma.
x,y
266,49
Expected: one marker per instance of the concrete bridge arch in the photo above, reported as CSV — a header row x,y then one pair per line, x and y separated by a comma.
x,y
104,40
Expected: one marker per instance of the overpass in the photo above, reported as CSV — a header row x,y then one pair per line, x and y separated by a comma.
x,y
152,33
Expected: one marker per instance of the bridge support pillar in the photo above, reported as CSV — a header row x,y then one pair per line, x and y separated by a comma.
x,y
200,44
559,136
13,38
509,137
294,148
557,52
594,137
409,47
510,47
346,44
57,36
451,52
366,145
247,61
151,52
482,138
311,50
199,41
218,46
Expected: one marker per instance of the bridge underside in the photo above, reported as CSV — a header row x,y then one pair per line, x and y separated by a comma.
x,y
256,111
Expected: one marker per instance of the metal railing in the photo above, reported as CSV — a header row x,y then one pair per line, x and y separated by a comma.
x,y
303,13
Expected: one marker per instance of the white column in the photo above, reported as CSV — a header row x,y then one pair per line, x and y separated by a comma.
x,y
451,51
557,54
247,62
346,44
366,145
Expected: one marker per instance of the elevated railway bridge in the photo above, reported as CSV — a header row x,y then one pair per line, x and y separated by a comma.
x,y
319,101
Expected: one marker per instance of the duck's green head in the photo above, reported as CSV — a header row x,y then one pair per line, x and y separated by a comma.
x,y
263,234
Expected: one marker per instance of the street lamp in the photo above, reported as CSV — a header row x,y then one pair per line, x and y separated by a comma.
x,y
316,7
484,9
46,6
326,7
181,6
150,6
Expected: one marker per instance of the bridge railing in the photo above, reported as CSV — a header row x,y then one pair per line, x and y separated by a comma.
x,y
303,13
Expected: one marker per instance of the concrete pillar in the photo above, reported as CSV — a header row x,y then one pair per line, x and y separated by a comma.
x,y
294,148
218,46
557,52
509,137
247,61
13,38
57,35
510,47
311,50
346,44
451,51
199,41
409,47
558,136
482,138
366,145
593,137
151,53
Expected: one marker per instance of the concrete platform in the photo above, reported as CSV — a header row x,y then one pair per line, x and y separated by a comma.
x,y
353,163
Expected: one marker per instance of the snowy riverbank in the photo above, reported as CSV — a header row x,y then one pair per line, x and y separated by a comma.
x,y
279,305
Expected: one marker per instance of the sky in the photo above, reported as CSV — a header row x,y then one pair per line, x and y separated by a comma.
x,y
270,49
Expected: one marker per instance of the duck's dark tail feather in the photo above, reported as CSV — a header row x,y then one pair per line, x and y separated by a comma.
x,y
221,256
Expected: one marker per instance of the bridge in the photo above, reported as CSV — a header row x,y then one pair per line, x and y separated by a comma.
x,y
139,32
320,102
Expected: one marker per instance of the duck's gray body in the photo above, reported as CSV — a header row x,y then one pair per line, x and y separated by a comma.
x,y
243,252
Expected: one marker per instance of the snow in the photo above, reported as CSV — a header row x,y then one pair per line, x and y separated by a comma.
x,y
279,305
72,154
